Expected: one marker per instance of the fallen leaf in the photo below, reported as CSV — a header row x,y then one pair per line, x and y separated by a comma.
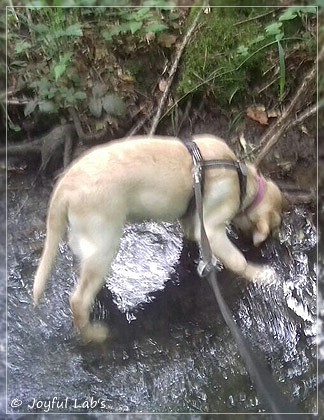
x,y
167,40
126,78
257,113
273,113
100,125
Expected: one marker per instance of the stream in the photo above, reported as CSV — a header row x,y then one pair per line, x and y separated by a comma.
x,y
170,351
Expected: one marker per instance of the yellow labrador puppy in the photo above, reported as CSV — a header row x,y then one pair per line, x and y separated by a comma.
x,y
143,178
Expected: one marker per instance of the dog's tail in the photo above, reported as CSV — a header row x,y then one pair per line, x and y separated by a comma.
x,y
55,229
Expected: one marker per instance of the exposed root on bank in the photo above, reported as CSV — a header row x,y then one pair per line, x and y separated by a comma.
x,y
59,141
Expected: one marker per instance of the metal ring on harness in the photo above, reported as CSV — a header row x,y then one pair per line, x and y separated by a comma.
x,y
205,268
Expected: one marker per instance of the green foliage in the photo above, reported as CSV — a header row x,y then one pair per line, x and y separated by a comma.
x,y
214,59
41,45
294,12
48,49
139,21
230,53
110,103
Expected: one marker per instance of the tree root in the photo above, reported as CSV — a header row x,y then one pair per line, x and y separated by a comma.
x,y
47,146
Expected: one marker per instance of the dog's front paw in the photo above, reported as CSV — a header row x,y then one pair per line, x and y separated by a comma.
x,y
95,333
261,274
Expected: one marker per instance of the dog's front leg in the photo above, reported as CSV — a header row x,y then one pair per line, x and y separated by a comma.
x,y
228,254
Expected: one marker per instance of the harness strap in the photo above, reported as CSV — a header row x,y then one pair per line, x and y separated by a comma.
x,y
240,168
198,160
256,367
263,381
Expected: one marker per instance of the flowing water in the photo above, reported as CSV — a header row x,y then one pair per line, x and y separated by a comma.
x,y
170,350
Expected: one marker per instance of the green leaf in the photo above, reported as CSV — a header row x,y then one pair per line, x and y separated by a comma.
x,y
80,96
113,105
242,50
51,93
106,35
289,14
135,26
99,125
142,13
68,94
47,107
64,91
173,15
59,70
74,30
42,86
30,107
137,15
310,9
155,27
66,57
95,107
116,30
259,38
59,33
22,47
124,27
98,90
274,28
40,28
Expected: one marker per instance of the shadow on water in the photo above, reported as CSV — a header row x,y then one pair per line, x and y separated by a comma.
x,y
169,351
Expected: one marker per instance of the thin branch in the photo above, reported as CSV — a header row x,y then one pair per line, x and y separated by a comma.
x,y
134,130
305,114
254,18
272,136
172,72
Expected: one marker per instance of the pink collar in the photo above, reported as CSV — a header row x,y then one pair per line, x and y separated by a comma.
x,y
259,195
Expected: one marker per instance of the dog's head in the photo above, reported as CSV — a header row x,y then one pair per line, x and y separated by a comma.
x,y
265,218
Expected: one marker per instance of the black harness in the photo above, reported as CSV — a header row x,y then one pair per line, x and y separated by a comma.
x,y
202,164
265,385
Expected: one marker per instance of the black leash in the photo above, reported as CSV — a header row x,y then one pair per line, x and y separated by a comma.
x,y
263,381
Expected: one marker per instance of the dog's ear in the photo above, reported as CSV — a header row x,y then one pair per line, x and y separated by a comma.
x,y
261,231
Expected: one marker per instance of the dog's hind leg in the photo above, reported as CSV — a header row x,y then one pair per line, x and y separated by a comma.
x,y
98,249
